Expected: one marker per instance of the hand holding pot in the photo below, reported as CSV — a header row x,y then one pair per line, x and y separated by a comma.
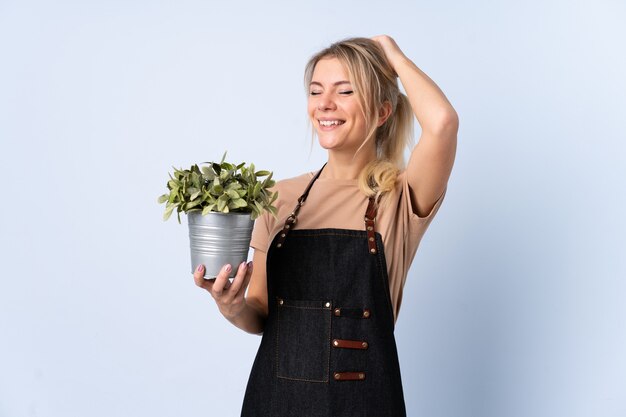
x,y
229,296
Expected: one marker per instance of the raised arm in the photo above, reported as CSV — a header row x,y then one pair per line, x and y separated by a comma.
x,y
431,160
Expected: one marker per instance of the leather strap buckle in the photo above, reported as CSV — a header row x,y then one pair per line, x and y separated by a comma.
x,y
370,225
349,376
350,344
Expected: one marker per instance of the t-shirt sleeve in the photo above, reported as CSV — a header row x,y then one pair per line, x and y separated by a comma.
x,y
414,217
261,233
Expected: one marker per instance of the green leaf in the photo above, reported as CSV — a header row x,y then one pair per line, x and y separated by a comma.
x,y
208,174
208,209
217,189
221,203
232,194
192,204
257,190
233,186
268,180
208,198
262,173
195,179
196,192
168,211
162,199
238,203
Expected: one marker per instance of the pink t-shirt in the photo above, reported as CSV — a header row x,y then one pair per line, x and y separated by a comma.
x,y
341,204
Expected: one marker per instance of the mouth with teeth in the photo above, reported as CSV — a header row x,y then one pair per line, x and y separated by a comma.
x,y
330,123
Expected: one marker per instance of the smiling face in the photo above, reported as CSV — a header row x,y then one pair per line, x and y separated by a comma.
x,y
334,108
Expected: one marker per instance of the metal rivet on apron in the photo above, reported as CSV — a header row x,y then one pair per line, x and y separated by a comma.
x,y
364,344
287,226
280,302
283,235
366,313
328,304
373,250
335,342
337,376
361,375
337,312
279,245
370,228
371,239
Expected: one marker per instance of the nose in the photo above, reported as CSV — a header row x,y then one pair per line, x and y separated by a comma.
x,y
325,103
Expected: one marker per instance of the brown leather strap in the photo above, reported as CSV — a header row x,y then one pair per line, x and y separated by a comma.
x,y
370,217
370,220
349,376
350,344
293,217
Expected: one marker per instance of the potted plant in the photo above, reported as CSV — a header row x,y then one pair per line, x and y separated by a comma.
x,y
221,201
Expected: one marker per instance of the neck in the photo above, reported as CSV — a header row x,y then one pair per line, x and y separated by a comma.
x,y
342,166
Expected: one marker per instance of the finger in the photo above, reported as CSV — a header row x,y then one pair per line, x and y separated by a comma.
x,y
198,277
242,278
242,291
220,281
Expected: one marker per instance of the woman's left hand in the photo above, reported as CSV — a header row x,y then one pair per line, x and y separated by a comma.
x,y
390,48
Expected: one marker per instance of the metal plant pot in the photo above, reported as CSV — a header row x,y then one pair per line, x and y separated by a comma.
x,y
217,239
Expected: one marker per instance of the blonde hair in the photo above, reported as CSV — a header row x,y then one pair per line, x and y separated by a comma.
x,y
374,82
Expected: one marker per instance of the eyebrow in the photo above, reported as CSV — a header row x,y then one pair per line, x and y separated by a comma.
x,y
335,84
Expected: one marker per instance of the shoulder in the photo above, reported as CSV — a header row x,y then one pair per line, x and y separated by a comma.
x,y
290,189
266,225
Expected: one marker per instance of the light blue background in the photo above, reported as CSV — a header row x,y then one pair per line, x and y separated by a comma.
x,y
514,305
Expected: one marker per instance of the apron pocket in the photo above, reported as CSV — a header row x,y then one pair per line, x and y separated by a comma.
x,y
303,340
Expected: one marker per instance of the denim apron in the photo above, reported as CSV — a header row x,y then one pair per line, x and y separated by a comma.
x,y
328,348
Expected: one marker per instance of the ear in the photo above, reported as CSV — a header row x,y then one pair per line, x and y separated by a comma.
x,y
383,113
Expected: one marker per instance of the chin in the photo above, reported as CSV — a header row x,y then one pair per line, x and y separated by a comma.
x,y
327,144
327,141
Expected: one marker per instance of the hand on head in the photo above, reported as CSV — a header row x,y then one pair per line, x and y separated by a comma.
x,y
390,48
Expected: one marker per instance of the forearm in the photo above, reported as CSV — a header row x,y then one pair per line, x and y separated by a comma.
x,y
430,106
250,319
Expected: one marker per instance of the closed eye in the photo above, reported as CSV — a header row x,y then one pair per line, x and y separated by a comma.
x,y
346,93
315,93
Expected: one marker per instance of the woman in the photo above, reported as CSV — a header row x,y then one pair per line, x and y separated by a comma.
x,y
327,281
